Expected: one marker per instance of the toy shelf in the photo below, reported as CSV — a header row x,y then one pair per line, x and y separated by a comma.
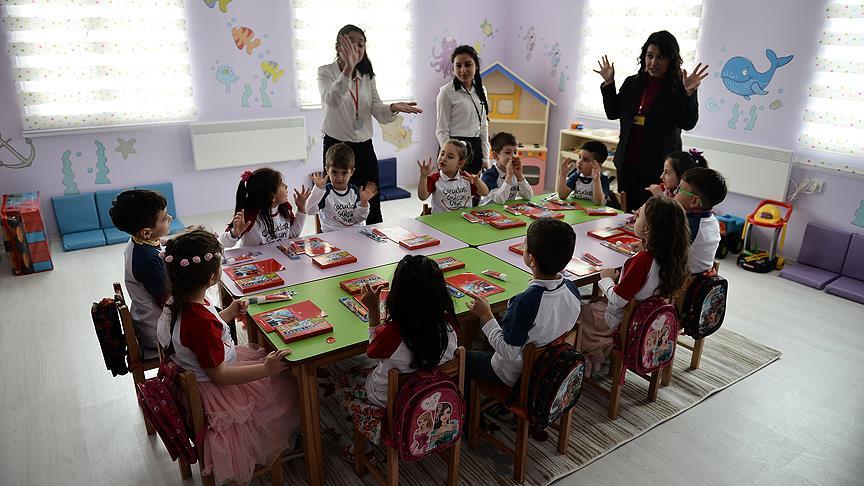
x,y
571,140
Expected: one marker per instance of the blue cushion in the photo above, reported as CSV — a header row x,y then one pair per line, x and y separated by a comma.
x,y
387,173
83,239
167,190
104,199
75,213
390,193
176,226
114,236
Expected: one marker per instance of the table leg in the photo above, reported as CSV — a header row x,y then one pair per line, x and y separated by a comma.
x,y
311,425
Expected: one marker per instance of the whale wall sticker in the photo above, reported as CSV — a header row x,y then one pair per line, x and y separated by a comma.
x,y
740,76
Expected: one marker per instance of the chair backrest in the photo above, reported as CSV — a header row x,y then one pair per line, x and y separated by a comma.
x,y
187,382
132,346
622,200
426,210
317,224
530,354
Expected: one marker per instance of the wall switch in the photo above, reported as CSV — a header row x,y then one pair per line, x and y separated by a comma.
x,y
816,185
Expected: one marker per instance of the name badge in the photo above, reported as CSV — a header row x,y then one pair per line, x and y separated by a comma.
x,y
639,120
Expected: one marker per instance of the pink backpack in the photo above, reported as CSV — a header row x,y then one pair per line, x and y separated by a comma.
x,y
430,414
161,410
651,336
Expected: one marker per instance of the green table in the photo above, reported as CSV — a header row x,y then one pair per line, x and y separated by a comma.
x,y
476,234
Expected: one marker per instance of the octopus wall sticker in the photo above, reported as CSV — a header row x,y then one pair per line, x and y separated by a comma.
x,y
23,162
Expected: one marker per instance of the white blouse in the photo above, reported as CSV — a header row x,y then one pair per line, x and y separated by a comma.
x,y
337,103
460,114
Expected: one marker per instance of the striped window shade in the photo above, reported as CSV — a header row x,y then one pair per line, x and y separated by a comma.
x,y
833,128
618,30
387,24
91,63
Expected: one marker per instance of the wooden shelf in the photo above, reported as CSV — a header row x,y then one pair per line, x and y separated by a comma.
x,y
532,148
508,121
605,136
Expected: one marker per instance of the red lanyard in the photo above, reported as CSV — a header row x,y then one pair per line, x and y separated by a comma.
x,y
356,98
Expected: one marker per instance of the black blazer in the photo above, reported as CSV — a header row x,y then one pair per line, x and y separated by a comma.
x,y
671,112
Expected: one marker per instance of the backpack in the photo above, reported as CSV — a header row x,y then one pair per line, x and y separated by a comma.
x,y
160,408
109,331
429,415
651,336
704,305
555,385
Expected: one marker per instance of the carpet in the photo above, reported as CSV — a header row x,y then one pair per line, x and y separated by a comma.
x,y
727,358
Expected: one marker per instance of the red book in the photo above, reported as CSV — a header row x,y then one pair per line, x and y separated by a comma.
x,y
449,263
288,314
395,233
605,233
487,214
558,205
334,259
253,269
505,223
303,329
601,211
523,208
353,286
518,248
471,218
418,242
546,214
313,246
469,282
259,282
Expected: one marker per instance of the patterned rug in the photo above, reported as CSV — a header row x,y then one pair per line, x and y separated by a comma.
x,y
726,359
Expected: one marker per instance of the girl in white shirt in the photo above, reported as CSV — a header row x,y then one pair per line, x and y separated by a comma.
x,y
463,110
451,187
262,211
349,100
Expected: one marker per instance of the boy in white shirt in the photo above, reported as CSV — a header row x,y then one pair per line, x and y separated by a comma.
x,y
505,179
451,188
586,181
698,192
338,203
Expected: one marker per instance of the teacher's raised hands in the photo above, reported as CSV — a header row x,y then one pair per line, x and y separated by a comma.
x,y
349,54
691,82
405,107
607,70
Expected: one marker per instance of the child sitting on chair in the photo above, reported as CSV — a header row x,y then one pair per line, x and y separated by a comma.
x,y
699,191
586,181
338,203
143,214
675,165
451,188
505,179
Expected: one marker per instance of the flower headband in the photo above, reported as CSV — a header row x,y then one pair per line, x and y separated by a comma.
x,y
246,175
195,259
695,153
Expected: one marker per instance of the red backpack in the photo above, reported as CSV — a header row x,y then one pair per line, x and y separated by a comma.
x,y
651,336
430,415
160,408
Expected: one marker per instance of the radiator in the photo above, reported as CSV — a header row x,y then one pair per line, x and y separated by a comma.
x,y
216,145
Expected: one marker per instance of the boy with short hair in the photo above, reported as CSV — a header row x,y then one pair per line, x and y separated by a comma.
x,y
143,214
339,203
586,181
505,179
545,311
698,192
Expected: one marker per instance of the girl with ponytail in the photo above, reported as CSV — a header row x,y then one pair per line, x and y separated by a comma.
x,y
463,111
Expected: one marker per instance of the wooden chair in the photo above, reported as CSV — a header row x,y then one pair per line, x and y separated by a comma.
x,y
134,359
188,383
617,363
499,394
317,224
426,210
622,200
455,368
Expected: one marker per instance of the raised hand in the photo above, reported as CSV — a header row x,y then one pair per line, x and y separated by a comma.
x,y
607,70
565,165
479,306
425,167
595,169
275,362
405,107
691,82
347,54
517,168
239,225
370,297
655,189
300,198
319,179
471,178
509,170
368,192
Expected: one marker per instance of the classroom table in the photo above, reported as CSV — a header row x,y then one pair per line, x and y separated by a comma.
x,y
477,234
609,257
352,336
369,253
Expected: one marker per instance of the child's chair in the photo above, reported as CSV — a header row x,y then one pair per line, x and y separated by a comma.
x,y
317,224
188,384
617,363
622,200
499,394
134,359
455,368
426,210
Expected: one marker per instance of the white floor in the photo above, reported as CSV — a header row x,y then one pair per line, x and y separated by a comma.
x,y
66,420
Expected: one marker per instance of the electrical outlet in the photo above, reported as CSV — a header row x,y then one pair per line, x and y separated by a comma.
x,y
816,185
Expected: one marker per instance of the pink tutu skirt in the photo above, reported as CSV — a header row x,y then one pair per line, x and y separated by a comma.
x,y
250,423
596,336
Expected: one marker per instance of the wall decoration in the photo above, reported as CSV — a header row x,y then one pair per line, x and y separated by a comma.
x,y
247,92
859,215
563,78
125,147
244,37
441,60
530,39
68,175
23,162
310,142
262,92
223,4
712,105
271,70
741,77
776,105
486,28
101,164
101,168
554,55
225,75
398,134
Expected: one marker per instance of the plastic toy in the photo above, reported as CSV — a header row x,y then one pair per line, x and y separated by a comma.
x,y
766,215
731,239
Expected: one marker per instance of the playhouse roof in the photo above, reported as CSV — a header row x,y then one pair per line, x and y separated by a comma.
x,y
497,66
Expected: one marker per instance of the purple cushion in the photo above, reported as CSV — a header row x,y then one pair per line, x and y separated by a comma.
x,y
848,288
854,266
807,275
824,248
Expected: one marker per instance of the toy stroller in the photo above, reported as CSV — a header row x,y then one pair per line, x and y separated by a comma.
x,y
767,215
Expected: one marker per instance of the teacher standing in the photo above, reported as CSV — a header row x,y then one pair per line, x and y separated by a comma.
x,y
463,111
653,106
349,100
